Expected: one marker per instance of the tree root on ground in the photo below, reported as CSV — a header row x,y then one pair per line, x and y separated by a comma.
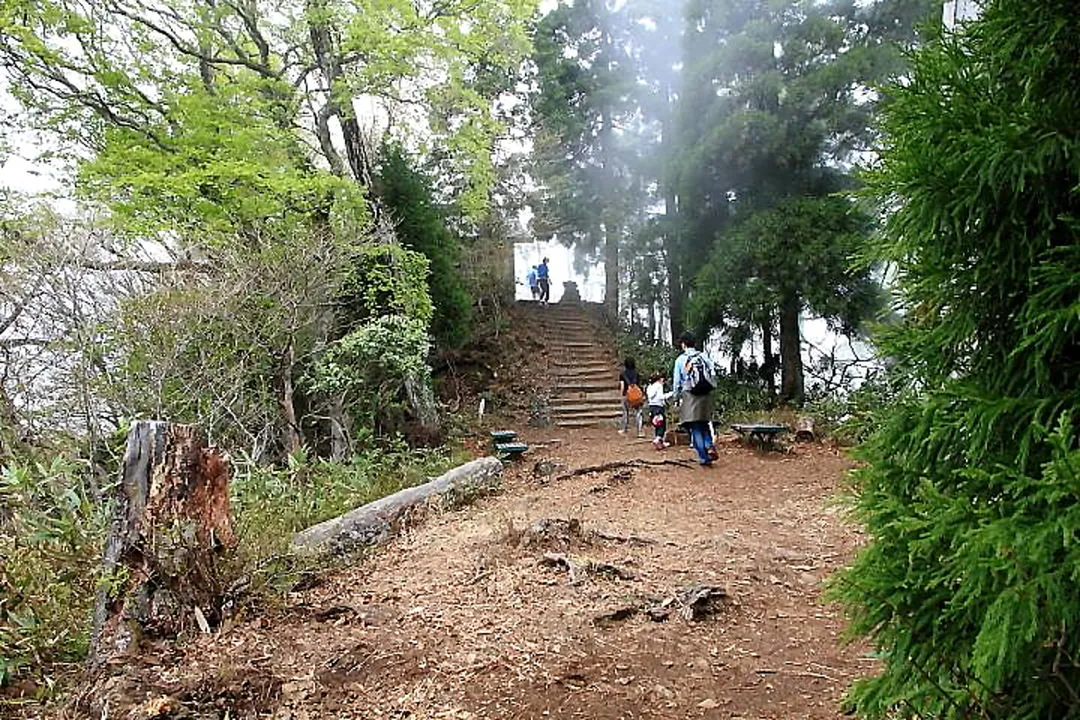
x,y
623,464
692,603
580,566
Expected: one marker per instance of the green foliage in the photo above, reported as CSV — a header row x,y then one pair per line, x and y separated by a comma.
x,y
774,101
971,491
853,417
650,357
421,226
51,532
386,279
129,75
804,247
224,168
372,367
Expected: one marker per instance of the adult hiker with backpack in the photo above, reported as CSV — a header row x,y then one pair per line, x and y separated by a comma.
x,y
633,398
693,379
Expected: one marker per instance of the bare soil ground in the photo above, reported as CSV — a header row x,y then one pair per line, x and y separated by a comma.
x,y
457,618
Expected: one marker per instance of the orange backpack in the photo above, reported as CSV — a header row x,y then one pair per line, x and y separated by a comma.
x,y
634,396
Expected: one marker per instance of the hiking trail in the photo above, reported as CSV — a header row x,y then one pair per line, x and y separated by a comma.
x,y
641,591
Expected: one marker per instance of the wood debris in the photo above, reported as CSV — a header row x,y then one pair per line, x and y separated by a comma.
x,y
581,566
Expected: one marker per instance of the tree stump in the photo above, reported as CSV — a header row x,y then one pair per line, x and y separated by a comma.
x,y
159,571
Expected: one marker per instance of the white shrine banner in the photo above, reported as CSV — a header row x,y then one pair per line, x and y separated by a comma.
x,y
960,11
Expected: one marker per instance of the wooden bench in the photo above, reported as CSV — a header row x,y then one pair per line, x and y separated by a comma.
x,y
763,434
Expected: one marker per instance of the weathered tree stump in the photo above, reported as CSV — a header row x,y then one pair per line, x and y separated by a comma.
x,y
171,519
804,429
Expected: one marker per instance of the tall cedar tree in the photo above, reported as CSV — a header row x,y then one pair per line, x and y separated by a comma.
x,y
585,73
971,489
421,226
773,102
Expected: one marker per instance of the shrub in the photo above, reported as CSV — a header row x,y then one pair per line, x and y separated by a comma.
x,y
51,534
971,491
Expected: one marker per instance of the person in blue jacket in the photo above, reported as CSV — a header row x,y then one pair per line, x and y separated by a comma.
x,y
695,403
534,285
543,278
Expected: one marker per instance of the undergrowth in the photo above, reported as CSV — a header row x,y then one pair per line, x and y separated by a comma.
x,y
52,530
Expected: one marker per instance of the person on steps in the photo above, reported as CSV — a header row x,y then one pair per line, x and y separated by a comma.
x,y
657,399
692,383
534,285
543,279
630,388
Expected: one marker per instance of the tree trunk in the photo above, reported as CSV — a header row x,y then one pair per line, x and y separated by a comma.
x,y
339,102
611,267
768,364
653,334
425,411
672,258
159,572
339,430
791,367
291,439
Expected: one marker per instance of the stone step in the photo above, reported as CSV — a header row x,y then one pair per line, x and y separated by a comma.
x,y
570,361
612,399
573,340
580,351
567,329
587,409
584,385
597,369
593,415
603,387
572,370
586,423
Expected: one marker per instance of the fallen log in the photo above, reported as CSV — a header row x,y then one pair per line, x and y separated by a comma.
x,y
159,570
377,522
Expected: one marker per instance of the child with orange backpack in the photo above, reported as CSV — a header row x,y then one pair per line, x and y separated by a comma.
x,y
633,399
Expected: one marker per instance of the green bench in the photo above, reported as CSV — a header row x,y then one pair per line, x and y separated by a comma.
x,y
506,444
763,433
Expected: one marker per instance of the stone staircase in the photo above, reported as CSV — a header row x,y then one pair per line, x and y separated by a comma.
x,y
582,364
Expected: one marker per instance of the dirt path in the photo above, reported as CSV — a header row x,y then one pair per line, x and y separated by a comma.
x,y
456,619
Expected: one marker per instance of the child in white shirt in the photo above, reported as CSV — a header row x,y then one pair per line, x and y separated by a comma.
x,y
656,399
